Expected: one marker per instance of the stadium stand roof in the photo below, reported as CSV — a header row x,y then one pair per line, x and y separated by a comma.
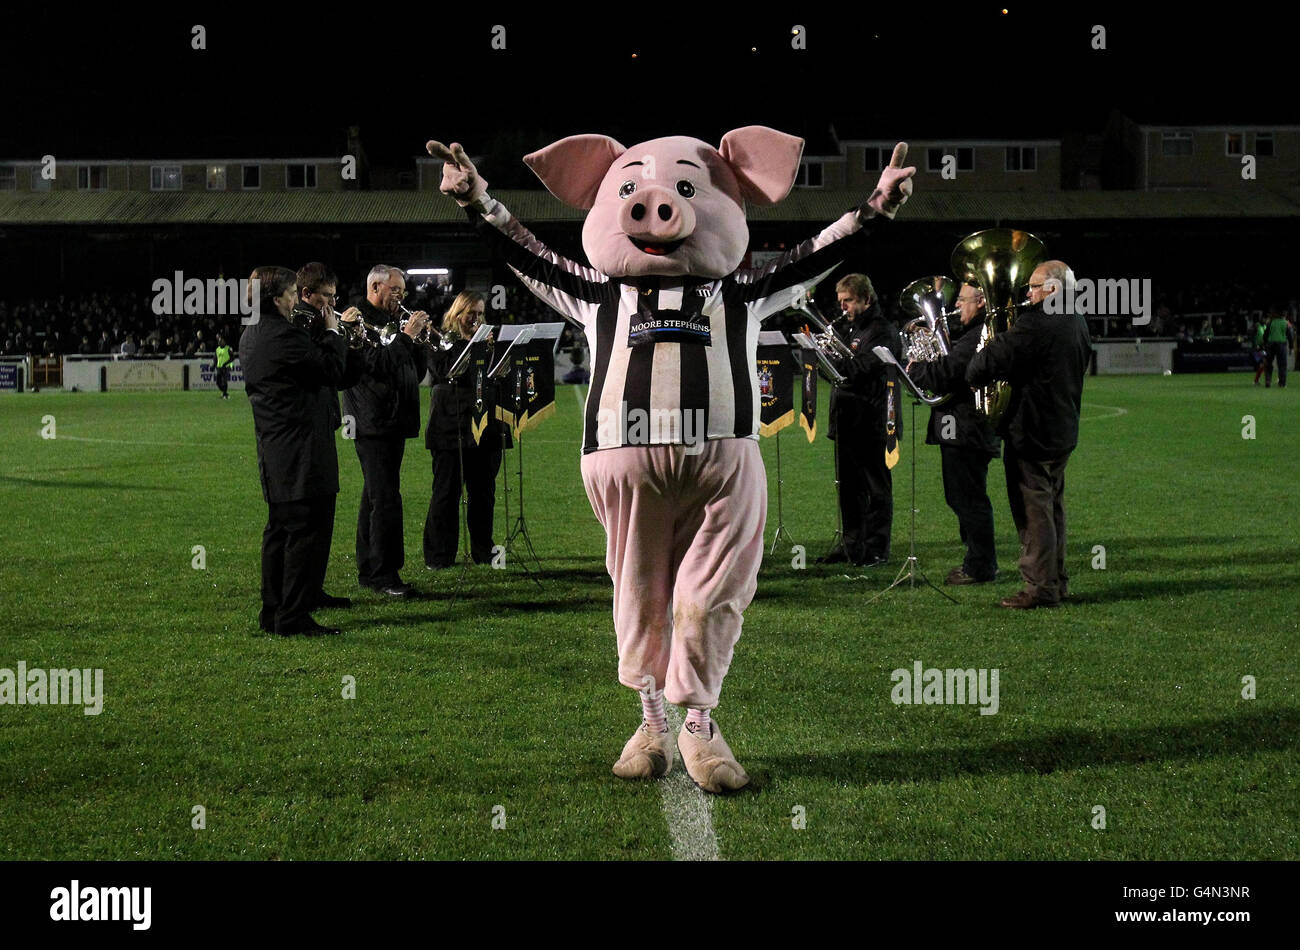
x,y
425,207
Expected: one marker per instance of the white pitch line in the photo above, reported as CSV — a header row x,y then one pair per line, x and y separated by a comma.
x,y
580,396
688,810
1114,411
85,438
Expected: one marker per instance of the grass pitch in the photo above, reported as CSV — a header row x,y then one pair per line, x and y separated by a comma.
x,y
1130,697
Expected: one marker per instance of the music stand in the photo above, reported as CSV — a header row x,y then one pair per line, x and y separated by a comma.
x,y
520,340
541,332
774,338
911,569
835,378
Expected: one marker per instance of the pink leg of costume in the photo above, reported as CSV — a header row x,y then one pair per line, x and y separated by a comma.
x,y
685,540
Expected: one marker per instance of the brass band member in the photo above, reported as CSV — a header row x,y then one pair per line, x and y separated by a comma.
x,y
1044,357
290,382
385,404
859,413
966,442
318,292
449,440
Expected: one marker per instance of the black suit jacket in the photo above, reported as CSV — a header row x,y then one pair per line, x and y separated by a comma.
x,y
385,400
451,408
859,409
1044,357
970,428
290,382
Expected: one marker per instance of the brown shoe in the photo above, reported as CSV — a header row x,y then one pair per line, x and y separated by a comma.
x,y
1027,601
957,577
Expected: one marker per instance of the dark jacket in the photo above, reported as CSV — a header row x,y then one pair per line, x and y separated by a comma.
x,y
452,407
1044,357
859,407
969,427
290,384
308,317
385,400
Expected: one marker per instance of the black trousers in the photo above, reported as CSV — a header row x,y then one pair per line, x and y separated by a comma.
x,y
295,552
442,524
866,497
223,379
1036,492
965,488
380,552
1276,356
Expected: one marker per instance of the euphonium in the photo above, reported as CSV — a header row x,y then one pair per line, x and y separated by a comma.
x,y
926,337
826,339
999,261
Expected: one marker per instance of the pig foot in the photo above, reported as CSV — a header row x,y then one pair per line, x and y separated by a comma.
x,y
648,754
709,761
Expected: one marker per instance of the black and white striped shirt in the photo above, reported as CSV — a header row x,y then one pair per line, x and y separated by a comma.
x,y
668,350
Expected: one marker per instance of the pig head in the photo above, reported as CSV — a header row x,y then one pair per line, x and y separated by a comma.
x,y
670,206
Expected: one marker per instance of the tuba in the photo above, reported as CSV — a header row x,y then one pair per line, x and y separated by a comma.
x,y
925,336
999,261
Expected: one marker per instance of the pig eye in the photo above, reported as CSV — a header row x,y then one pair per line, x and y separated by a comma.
x,y
685,189
626,189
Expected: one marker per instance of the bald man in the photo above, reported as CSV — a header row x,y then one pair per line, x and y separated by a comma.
x,y
1044,357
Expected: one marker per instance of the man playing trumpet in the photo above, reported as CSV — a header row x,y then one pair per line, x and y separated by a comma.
x,y
385,403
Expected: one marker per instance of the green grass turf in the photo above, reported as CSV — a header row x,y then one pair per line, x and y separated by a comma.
x,y
1129,697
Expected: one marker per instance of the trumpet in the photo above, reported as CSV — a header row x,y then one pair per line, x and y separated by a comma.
x,y
426,337
360,334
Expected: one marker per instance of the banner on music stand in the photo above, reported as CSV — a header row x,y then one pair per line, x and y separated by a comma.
x,y
528,382
808,404
777,370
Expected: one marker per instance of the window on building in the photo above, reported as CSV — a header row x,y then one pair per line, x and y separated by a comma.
x,y
92,177
216,178
1175,143
965,158
1264,143
39,181
165,178
252,176
300,176
8,178
1234,143
873,159
810,175
1022,158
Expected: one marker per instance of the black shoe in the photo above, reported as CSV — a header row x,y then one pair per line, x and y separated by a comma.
x,y
324,600
307,628
834,556
400,589
439,565
958,576
872,562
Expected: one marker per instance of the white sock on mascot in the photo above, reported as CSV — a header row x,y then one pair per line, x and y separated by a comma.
x,y
671,461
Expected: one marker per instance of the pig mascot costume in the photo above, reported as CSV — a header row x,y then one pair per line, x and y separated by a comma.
x,y
671,461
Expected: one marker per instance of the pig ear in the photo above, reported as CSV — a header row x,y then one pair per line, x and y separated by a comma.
x,y
765,162
573,168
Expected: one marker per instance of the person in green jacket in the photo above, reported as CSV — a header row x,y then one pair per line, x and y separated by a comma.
x,y
225,357
1278,337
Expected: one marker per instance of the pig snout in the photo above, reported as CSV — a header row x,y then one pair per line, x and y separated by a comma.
x,y
656,216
